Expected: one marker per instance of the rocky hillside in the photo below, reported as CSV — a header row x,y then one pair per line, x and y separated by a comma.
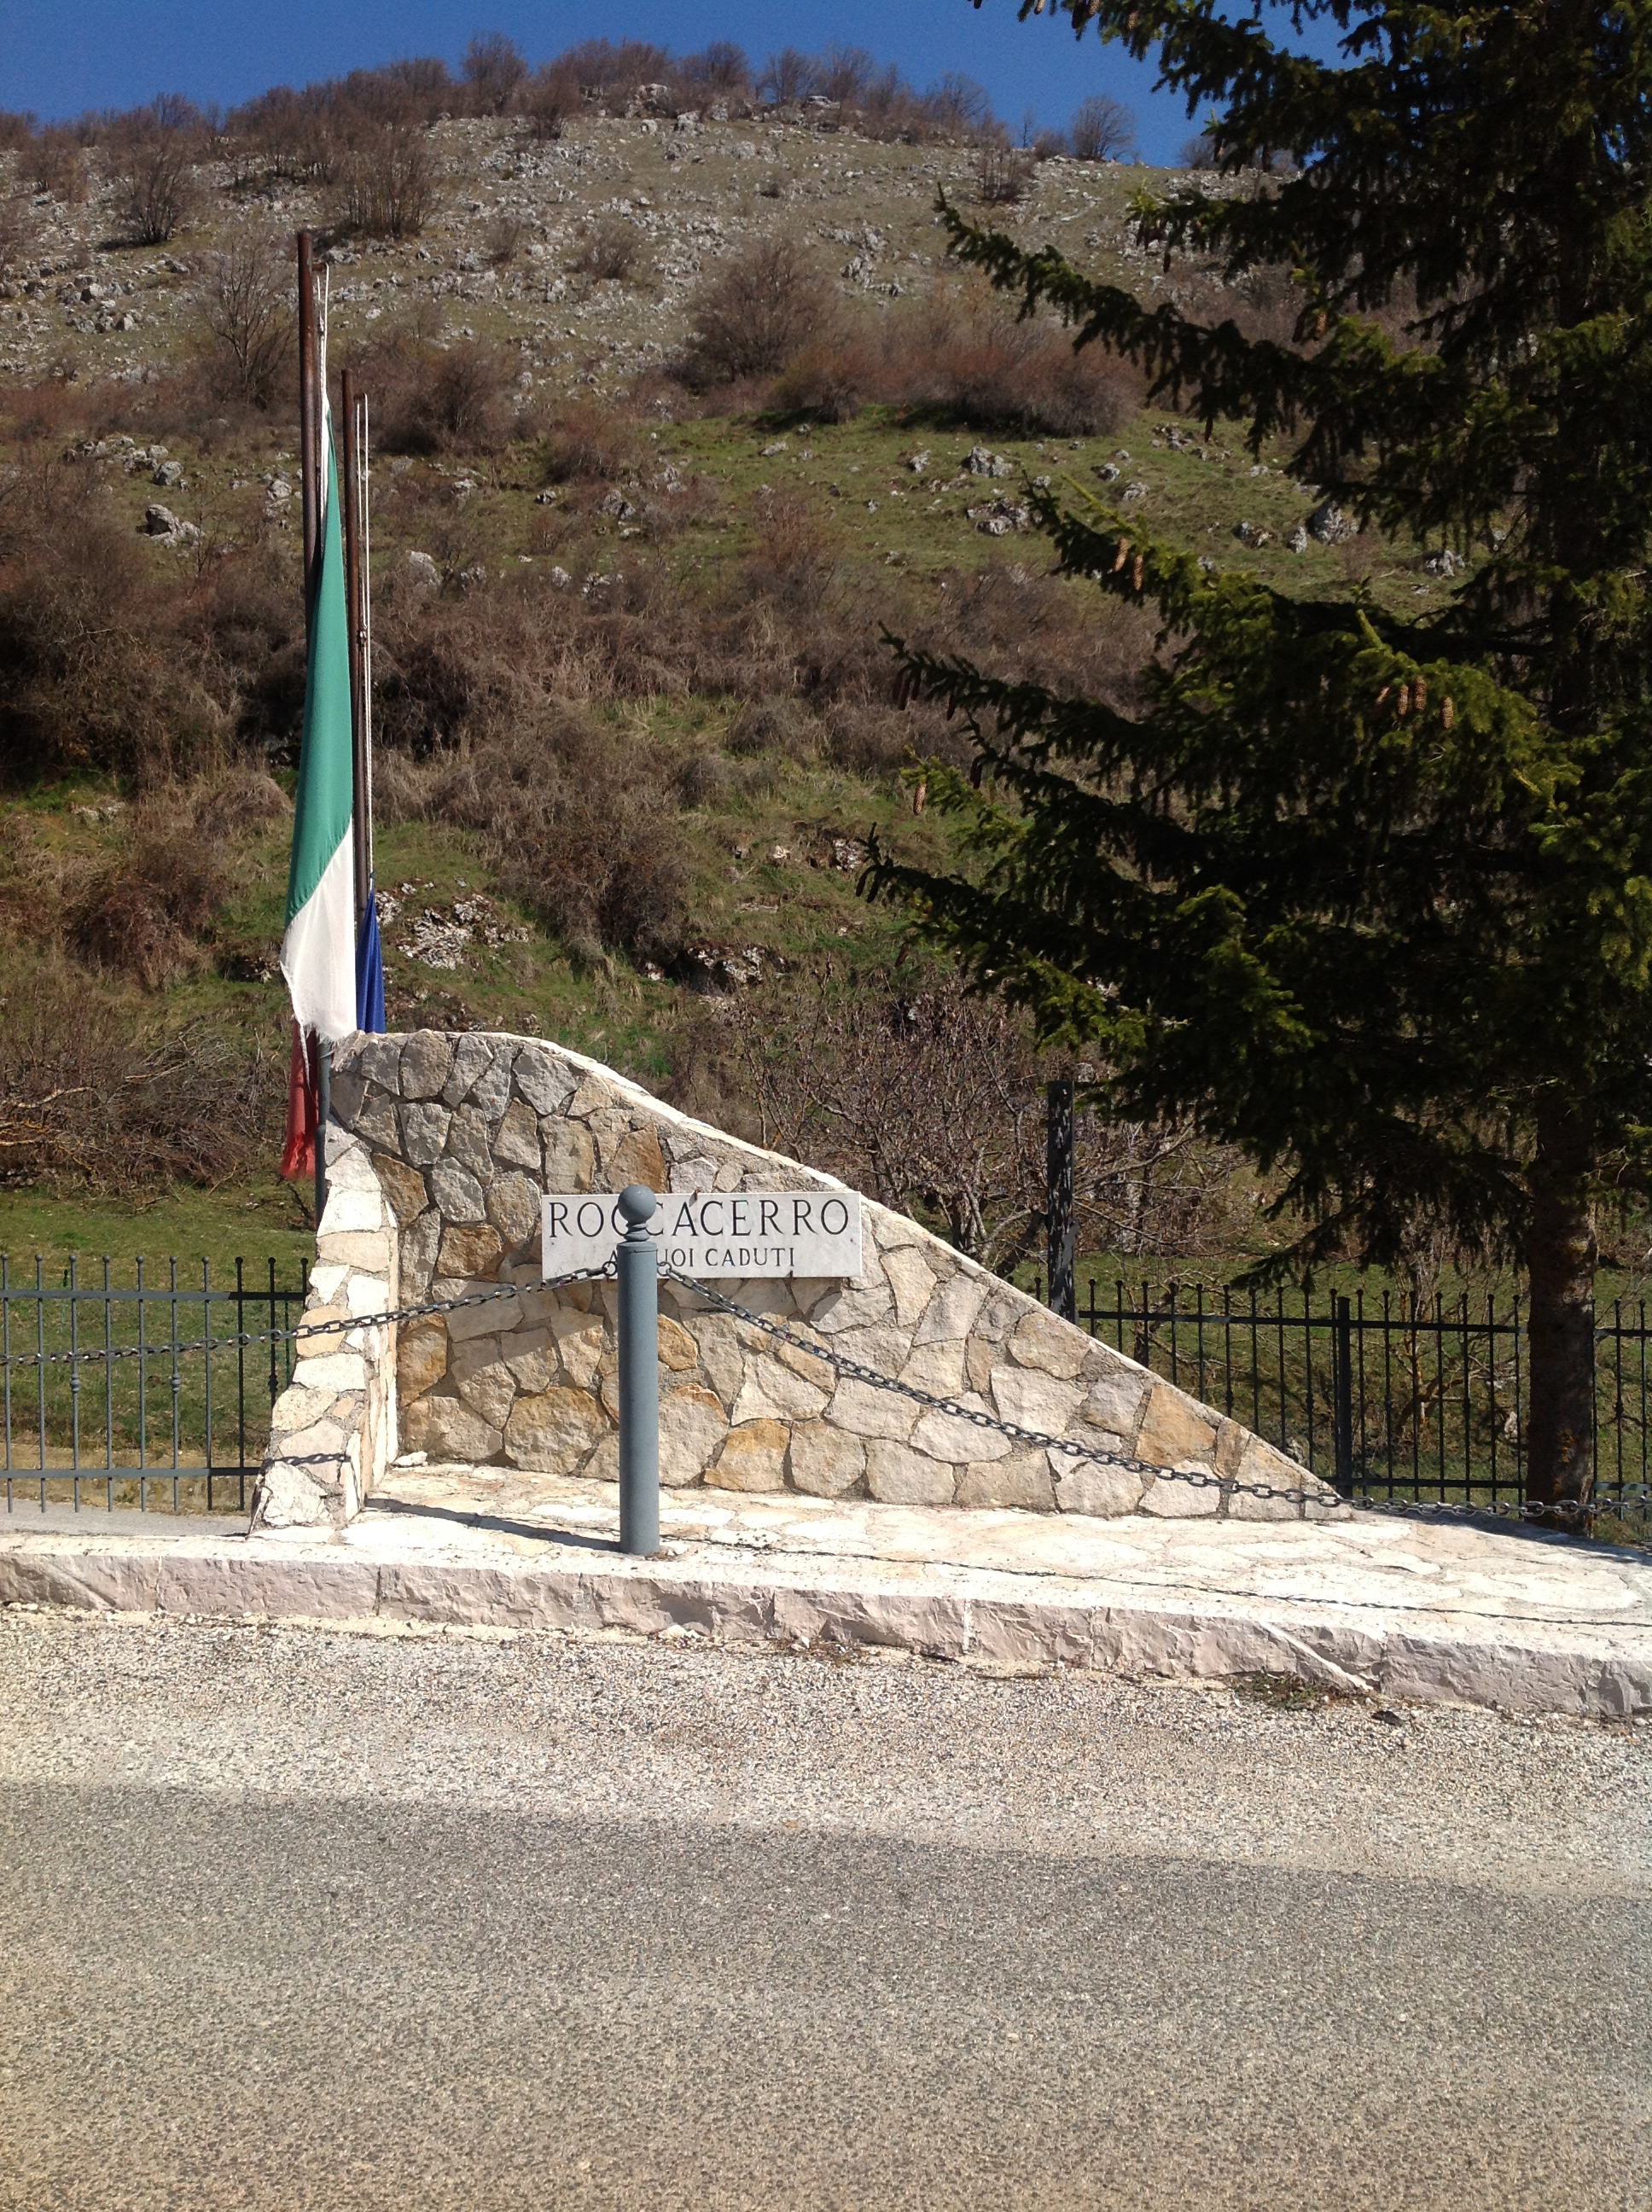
x,y
632,570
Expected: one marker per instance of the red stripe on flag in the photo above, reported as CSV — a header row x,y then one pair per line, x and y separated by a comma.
x,y
303,1107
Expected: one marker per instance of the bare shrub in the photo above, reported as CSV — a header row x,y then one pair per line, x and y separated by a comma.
x,y
959,106
1101,130
789,76
869,740
90,675
1003,175
794,561
753,315
1199,153
609,76
386,181
878,101
453,401
588,441
20,233
503,240
55,162
249,323
239,804
153,170
494,72
548,99
828,382
143,917
87,1097
776,727
962,357
718,71
583,821
608,251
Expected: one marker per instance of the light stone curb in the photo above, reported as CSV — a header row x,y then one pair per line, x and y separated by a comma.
x,y
981,1617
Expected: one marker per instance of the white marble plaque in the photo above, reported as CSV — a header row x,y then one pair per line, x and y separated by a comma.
x,y
742,1233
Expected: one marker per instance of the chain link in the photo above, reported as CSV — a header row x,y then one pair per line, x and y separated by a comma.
x,y
852,1371
394,1317
1195,1477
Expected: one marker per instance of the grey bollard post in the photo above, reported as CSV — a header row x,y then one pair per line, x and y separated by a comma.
x,y
639,1375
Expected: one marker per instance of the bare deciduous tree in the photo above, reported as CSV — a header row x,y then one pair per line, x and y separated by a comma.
x,y
387,182
1101,130
754,315
931,1100
1002,174
494,72
153,167
249,321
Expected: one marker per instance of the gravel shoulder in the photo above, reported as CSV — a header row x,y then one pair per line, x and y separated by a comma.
x,y
621,1729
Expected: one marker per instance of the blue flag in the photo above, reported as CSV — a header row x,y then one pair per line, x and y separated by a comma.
x,y
370,972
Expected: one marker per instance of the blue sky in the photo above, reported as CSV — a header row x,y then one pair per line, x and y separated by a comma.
x,y
76,54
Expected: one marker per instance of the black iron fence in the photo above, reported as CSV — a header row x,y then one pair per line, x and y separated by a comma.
x,y
168,1411
1386,1394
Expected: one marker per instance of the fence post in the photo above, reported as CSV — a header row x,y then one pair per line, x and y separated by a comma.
x,y
322,1112
639,1376
1342,1349
1058,1176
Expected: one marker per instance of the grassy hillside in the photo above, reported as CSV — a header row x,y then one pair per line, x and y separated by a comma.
x,y
637,715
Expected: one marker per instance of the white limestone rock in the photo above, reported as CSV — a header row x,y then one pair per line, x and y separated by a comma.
x,y
1091,1486
426,1062
1032,1400
692,1427
446,1429
825,1461
1182,1501
554,1432
950,1436
864,1410
897,1475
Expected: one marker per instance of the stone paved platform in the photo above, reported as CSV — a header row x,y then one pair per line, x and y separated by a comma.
x,y
1367,1603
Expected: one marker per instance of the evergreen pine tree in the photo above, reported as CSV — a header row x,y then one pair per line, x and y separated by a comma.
x,y
1368,894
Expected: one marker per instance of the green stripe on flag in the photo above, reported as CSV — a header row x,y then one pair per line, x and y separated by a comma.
x,y
326,769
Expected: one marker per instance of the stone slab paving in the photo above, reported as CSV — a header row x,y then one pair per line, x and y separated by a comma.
x,y
1369,1605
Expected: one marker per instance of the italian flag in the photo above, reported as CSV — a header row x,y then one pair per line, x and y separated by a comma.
x,y
317,951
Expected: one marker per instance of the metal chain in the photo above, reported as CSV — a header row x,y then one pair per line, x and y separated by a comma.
x,y
1195,1477
852,1371
394,1317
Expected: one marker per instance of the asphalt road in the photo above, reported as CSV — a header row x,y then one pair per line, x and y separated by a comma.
x,y
306,1922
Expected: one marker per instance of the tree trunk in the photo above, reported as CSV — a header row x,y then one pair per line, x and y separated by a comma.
x,y
1560,1258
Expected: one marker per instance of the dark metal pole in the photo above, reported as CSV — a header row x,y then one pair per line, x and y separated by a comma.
x,y
1062,1230
323,1107
350,491
309,414
309,445
1342,1342
639,1376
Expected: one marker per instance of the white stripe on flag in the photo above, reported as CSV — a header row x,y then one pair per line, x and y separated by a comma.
x,y
318,954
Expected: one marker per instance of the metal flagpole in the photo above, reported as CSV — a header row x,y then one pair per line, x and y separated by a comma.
x,y
309,414
325,470
366,633
309,445
350,509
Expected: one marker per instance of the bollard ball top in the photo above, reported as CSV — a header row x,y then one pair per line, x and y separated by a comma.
x,y
637,1204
